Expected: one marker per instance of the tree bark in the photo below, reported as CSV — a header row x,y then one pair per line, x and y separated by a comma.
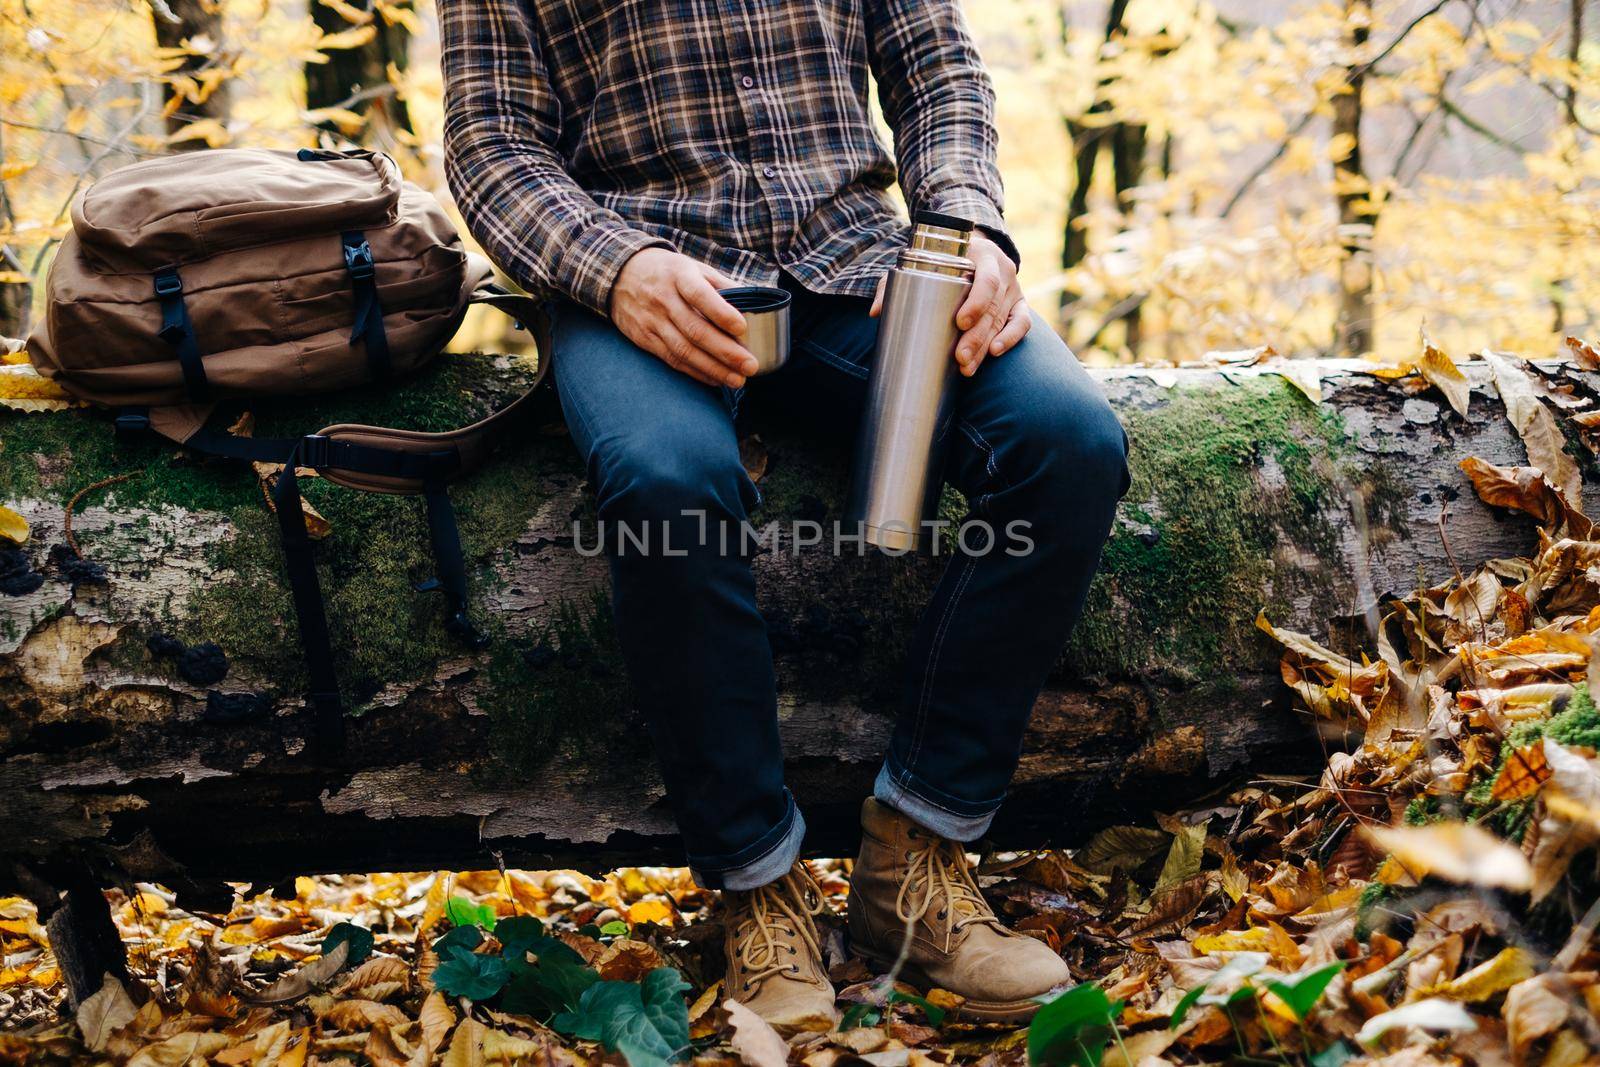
x,y
139,765
357,79
1354,328
179,24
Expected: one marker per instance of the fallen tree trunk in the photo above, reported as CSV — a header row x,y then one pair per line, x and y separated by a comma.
x,y
143,765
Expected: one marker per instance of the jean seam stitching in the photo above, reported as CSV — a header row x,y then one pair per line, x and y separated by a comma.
x,y
788,829
909,782
991,463
835,360
933,662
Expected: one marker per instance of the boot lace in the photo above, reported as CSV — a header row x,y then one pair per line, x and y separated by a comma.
x,y
770,919
940,874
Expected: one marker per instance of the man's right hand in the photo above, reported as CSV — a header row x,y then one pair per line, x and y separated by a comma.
x,y
668,305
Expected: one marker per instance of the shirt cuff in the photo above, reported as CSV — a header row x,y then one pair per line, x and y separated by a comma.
x,y
977,206
588,267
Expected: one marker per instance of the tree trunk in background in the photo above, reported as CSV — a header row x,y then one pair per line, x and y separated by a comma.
x,y
1569,115
1353,330
179,23
1125,143
357,79
116,755
15,297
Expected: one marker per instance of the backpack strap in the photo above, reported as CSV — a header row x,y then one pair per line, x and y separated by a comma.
x,y
368,329
375,459
178,331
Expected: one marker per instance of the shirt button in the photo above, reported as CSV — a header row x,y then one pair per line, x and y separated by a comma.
x,y
769,172
748,82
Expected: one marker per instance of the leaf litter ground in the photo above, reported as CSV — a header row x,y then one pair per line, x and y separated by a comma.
x,y
1431,898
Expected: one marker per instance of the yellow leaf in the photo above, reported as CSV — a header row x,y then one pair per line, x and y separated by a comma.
x,y
1457,852
650,911
13,527
16,169
1444,375
1526,769
76,120
1489,978
354,38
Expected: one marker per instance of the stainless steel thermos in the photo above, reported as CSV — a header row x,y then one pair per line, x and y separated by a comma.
x,y
899,464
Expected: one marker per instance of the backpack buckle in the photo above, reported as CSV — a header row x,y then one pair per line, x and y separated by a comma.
x,y
313,451
168,283
358,261
130,423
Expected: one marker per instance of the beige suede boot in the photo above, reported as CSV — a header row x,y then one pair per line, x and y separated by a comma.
x,y
913,892
774,957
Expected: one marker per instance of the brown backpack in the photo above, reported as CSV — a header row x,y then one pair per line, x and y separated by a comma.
x,y
235,274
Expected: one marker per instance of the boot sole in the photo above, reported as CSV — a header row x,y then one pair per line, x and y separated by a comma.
x,y
982,1011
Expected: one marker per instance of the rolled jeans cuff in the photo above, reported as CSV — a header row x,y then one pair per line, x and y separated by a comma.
x,y
947,816
762,863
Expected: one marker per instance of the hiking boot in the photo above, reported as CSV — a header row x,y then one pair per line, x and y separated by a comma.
x,y
774,957
913,894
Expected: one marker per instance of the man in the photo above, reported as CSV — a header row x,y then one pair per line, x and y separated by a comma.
x,y
629,158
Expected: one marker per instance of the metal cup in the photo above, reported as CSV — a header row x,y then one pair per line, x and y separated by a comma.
x,y
766,320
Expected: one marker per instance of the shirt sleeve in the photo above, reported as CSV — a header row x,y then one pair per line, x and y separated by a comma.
x,y
939,102
502,121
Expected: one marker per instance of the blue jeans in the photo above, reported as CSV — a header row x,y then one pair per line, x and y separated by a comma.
x,y
1034,441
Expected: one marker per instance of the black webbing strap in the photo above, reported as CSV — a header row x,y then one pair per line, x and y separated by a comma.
x,y
322,695
452,568
178,331
320,452
369,311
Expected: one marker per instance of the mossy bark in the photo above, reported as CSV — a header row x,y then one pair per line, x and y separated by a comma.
x,y
1246,496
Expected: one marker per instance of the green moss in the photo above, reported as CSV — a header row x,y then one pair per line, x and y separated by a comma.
x,y
1579,725
1223,477
1421,811
568,675
383,630
1369,916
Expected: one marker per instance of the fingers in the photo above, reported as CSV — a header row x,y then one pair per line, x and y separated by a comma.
x,y
987,286
709,339
699,290
877,298
680,353
1015,329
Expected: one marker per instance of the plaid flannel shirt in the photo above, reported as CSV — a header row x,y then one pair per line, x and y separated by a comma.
x,y
578,132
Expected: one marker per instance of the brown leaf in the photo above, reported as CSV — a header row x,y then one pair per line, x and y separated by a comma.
x,y
379,978
1442,373
1458,852
753,454
1524,772
308,979
1527,489
363,1015
1534,1010
104,1013
753,1039
1536,426
1583,353
1571,821
625,960
436,1018
466,1047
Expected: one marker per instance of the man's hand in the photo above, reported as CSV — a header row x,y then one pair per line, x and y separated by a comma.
x,y
668,305
994,317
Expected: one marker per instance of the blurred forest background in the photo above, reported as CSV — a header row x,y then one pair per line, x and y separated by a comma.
x,y
1324,177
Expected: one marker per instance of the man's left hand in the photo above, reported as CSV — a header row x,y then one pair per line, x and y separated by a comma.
x,y
994,317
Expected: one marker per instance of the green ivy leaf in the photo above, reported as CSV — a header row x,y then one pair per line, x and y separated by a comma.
x,y
934,1013
1073,1027
518,934
465,938
553,981
859,1014
474,975
461,911
615,928
647,1023
359,938
1301,991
